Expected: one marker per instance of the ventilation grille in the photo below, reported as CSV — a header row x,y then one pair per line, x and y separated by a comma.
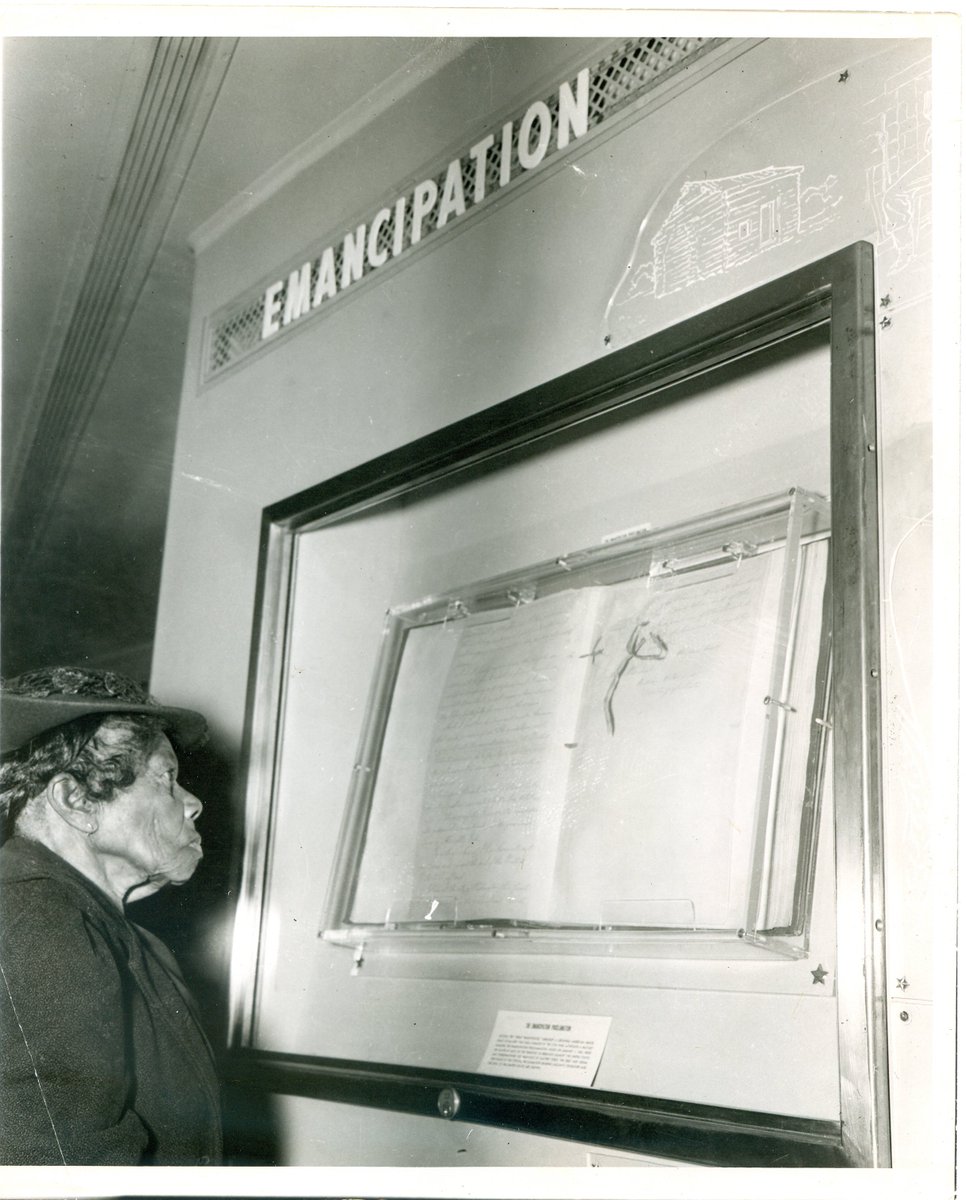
x,y
614,83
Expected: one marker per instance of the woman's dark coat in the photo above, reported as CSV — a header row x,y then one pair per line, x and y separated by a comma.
x,y
102,1058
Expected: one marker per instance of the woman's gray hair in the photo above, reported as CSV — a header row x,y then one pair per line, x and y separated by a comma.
x,y
79,749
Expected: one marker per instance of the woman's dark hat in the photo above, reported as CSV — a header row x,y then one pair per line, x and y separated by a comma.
x,y
37,701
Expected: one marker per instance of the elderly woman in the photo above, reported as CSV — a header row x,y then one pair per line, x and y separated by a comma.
x,y
103,1059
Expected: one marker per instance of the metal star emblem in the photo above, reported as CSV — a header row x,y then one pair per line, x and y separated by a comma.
x,y
818,975
902,983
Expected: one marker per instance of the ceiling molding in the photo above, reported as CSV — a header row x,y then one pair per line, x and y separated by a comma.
x,y
91,194
179,94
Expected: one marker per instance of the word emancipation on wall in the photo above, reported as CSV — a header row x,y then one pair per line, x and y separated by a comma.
x,y
428,207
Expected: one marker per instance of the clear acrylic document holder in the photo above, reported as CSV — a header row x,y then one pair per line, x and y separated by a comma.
x,y
620,750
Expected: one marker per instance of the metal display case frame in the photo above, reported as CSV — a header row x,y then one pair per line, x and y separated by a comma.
x,y
836,294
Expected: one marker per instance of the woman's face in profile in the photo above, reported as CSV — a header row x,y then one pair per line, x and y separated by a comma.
x,y
147,830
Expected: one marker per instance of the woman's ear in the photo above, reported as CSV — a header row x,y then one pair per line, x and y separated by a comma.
x,y
71,803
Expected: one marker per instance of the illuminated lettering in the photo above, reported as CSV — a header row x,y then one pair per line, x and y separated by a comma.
x,y
478,155
353,250
574,110
424,197
399,227
531,157
297,299
368,248
325,285
273,306
376,256
453,202
506,146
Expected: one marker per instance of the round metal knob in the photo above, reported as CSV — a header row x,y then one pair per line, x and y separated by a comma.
x,y
448,1103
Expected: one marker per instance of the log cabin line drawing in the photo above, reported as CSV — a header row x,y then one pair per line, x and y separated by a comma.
x,y
716,225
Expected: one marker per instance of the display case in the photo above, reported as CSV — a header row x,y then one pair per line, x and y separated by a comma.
x,y
566,716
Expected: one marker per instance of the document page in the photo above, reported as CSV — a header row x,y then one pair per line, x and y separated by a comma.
x,y
384,890
662,792
499,757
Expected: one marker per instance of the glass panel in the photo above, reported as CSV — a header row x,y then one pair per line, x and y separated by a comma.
x,y
614,485
606,740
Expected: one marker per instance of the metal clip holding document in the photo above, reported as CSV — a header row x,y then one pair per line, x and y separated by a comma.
x,y
455,610
732,552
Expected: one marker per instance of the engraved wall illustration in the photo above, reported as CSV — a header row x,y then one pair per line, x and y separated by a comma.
x,y
729,217
717,224
899,175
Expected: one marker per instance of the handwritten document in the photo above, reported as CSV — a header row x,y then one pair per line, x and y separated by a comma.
x,y
663,787
498,761
547,1047
588,758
